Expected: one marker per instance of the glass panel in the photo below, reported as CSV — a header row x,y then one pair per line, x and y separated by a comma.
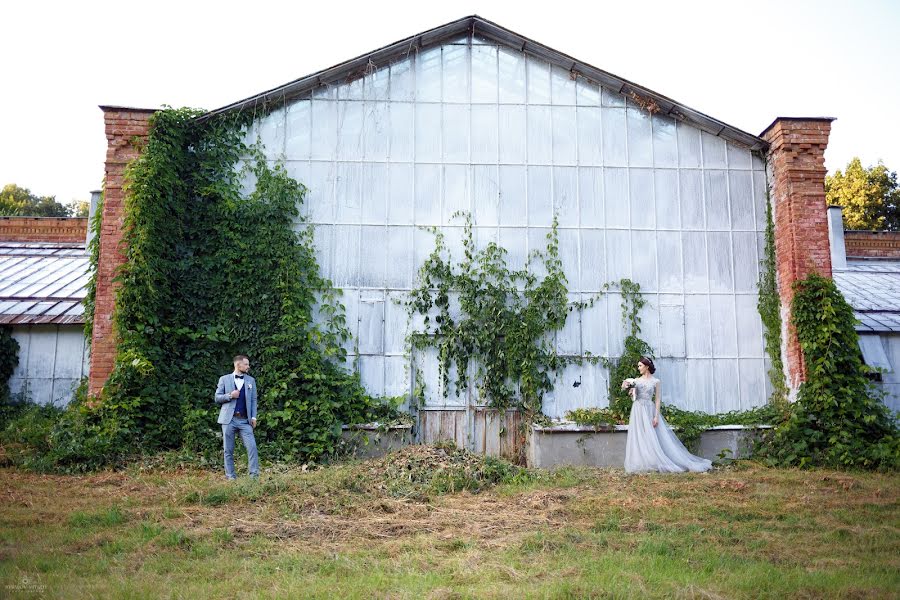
x,y
512,76
512,134
745,261
428,75
643,253
540,143
565,195
568,253
321,192
540,197
352,90
562,86
371,322
346,261
456,132
324,129
593,259
671,329
423,246
758,163
740,189
714,156
298,171
688,146
749,327
428,195
613,136
484,236
669,260
753,383
590,138
691,188
402,88
271,133
587,93
673,374
377,130
720,276
400,202
593,328
395,318
402,131
299,123
513,199
615,196
643,205
590,197
668,212
618,254
484,74
396,378
724,337
697,325
350,130
699,395
348,192
611,98
759,199
727,385
615,337
456,73
738,158
564,135
372,261
716,199
513,240
456,191
428,132
371,374
484,134
537,240
399,257
538,81
375,187
665,146
695,272
486,194
640,147
376,84
568,339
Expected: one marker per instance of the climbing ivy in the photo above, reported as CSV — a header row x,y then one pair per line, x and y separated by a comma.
x,y
210,272
769,306
633,348
9,350
93,261
838,419
479,314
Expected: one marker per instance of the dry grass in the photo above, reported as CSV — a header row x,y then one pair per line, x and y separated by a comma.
x,y
743,531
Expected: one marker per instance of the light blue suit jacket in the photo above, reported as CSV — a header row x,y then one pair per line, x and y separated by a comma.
x,y
223,397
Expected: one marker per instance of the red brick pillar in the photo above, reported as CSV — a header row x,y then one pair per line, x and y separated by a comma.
x,y
796,164
126,130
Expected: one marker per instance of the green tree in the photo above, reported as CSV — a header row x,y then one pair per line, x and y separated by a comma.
x,y
870,198
17,201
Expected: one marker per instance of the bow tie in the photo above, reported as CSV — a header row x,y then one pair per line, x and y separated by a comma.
x,y
238,376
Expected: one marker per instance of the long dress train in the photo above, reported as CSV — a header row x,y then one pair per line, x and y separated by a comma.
x,y
650,448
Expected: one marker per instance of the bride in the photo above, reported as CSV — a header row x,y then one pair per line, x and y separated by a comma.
x,y
651,445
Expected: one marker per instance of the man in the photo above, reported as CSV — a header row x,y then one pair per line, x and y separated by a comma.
x,y
237,394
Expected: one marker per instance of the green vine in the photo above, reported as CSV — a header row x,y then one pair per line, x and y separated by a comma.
x,y
93,249
9,350
634,347
504,323
769,306
839,419
209,274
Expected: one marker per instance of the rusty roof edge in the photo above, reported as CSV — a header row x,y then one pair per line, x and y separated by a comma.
x,y
507,37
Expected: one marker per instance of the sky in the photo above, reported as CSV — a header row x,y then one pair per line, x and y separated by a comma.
x,y
744,63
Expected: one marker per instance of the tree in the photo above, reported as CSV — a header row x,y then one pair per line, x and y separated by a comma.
x,y
870,198
17,201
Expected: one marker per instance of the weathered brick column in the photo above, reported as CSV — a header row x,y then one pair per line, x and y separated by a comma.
x,y
126,130
796,164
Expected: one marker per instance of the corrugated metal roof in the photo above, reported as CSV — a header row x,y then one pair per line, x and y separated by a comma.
x,y
42,282
478,26
872,287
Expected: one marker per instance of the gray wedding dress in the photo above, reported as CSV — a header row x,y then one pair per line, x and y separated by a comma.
x,y
650,448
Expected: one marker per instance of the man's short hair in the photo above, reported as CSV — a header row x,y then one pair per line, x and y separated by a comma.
x,y
240,357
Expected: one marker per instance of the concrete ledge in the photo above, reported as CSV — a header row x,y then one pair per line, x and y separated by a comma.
x,y
571,444
372,440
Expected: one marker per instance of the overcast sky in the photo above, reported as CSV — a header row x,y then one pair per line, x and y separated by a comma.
x,y
744,63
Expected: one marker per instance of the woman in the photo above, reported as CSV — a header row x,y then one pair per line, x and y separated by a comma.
x,y
651,445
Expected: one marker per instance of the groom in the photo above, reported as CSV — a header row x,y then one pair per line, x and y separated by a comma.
x,y
236,393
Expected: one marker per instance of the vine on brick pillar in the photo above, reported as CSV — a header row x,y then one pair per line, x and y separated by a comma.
x,y
796,173
126,133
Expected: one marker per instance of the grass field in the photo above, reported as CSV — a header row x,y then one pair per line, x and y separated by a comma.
x,y
351,530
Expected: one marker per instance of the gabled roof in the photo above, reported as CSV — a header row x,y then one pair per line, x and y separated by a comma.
x,y
475,25
42,282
